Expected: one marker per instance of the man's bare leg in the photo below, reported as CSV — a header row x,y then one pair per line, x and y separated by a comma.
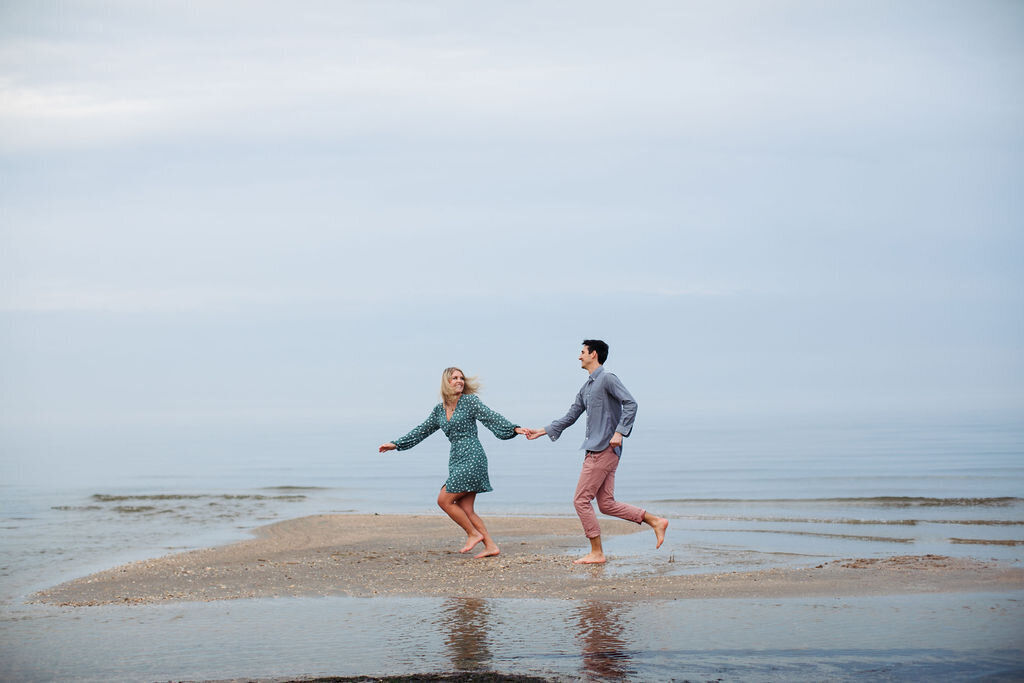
x,y
659,524
490,547
596,554
449,502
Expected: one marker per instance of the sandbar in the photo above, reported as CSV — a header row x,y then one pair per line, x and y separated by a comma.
x,y
417,555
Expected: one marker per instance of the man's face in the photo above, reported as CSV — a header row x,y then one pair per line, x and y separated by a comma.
x,y
588,359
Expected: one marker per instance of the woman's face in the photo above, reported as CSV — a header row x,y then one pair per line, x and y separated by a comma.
x,y
457,382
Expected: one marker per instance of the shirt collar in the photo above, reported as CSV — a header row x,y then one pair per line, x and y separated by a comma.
x,y
595,373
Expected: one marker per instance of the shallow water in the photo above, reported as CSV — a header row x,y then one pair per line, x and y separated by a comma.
x,y
933,637
739,496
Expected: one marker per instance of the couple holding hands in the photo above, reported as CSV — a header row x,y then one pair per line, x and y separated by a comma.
x,y
610,413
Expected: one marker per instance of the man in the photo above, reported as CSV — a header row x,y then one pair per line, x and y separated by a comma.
x,y
610,412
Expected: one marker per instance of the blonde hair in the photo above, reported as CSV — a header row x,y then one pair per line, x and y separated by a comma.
x,y
471,386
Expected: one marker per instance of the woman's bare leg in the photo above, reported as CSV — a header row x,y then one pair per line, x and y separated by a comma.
x,y
490,547
466,503
449,502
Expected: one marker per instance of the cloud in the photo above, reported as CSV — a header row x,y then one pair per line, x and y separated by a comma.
x,y
67,297
33,118
340,71
54,297
66,107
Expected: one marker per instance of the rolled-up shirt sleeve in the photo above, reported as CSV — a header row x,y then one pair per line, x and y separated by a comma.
x,y
555,429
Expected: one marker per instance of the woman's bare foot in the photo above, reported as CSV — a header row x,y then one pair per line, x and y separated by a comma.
x,y
471,543
591,558
490,550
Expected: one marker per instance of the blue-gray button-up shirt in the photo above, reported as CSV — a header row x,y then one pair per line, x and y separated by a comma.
x,y
610,408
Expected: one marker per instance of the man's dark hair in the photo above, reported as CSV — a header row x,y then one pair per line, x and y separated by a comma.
x,y
599,346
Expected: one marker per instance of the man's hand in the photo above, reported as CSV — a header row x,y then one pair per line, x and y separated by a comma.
x,y
532,434
616,440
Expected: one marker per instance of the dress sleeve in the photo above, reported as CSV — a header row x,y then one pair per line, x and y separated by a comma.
x,y
429,426
499,426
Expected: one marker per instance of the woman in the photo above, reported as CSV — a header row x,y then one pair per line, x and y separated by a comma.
x,y
456,416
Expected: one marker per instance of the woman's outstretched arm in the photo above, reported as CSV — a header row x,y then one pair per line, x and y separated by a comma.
x,y
428,427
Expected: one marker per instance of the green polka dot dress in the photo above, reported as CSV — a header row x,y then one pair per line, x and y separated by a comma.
x,y
467,462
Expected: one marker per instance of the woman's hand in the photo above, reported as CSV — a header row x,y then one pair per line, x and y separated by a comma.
x,y
522,430
386,447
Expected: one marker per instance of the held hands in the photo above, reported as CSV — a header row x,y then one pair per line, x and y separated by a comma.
x,y
387,447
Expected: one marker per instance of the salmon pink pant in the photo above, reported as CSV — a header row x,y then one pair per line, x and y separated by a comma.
x,y
597,480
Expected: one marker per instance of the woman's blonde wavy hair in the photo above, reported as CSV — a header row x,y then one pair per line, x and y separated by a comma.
x,y
472,385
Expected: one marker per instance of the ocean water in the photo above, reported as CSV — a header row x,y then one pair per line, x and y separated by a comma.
x,y
741,494
940,638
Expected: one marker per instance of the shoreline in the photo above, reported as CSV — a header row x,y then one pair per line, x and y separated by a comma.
x,y
416,556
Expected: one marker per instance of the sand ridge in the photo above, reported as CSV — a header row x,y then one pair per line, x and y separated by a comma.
x,y
413,555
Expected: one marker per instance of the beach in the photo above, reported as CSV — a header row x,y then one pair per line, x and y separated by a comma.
x,y
246,246
414,556
796,553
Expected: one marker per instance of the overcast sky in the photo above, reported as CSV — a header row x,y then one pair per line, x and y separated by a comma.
x,y
290,211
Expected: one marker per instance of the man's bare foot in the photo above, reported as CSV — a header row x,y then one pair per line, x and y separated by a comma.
x,y
471,543
490,550
591,558
659,527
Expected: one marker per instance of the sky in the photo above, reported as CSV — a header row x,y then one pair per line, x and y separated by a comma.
x,y
263,212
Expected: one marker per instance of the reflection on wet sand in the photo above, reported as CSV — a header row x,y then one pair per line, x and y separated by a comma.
x,y
465,623
601,629
601,632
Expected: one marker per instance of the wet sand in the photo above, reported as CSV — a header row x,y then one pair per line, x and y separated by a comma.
x,y
409,555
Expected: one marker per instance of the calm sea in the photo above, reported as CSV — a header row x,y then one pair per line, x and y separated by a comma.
x,y
742,494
